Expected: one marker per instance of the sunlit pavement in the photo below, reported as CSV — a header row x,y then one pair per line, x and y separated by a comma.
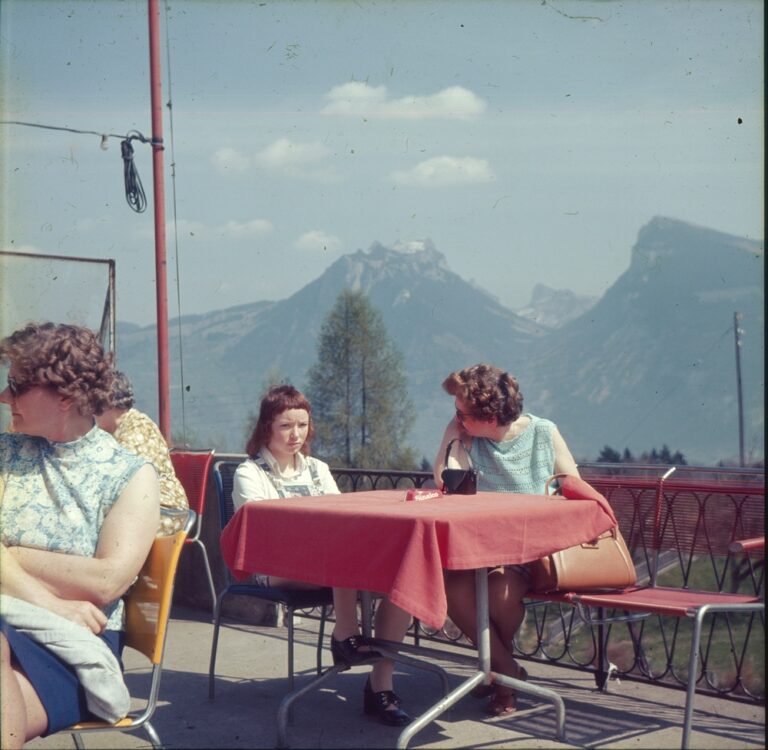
x,y
250,682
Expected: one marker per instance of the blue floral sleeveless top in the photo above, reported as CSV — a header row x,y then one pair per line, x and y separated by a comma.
x,y
522,464
55,496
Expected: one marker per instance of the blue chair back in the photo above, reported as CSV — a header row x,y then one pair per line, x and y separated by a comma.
x,y
223,476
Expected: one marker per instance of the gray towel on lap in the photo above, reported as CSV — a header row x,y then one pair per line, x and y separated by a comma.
x,y
94,663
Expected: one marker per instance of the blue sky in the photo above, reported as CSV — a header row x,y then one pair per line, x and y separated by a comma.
x,y
529,140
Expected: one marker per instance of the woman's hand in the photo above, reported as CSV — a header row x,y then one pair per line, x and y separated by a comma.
x,y
83,613
16,582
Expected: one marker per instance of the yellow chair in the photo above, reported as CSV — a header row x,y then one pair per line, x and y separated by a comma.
x,y
148,609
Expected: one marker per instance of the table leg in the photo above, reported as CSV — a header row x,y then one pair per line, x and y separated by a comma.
x,y
483,674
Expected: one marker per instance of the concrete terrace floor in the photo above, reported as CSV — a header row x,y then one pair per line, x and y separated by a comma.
x,y
251,681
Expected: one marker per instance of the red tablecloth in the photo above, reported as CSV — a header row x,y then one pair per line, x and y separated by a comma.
x,y
374,541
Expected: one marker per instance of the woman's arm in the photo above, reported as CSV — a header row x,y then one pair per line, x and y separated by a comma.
x,y
564,461
327,482
16,582
124,542
458,457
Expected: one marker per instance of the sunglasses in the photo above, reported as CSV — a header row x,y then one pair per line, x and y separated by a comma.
x,y
461,416
16,388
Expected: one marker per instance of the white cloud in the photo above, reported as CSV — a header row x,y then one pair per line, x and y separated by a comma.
x,y
286,153
316,239
229,160
243,230
358,99
236,230
295,159
446,170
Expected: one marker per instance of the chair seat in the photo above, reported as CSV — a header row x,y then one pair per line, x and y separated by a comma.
x,y
83,725
659,600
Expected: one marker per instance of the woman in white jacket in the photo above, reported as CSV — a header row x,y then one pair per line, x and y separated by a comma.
x,y
279,466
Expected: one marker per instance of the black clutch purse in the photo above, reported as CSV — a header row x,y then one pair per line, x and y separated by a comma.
x,y
459,481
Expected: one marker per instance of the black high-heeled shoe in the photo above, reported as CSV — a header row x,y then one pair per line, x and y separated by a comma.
x,y
347,651
379,704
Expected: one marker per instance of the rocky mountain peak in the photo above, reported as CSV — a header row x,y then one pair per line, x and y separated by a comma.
x,y
403,260
553,308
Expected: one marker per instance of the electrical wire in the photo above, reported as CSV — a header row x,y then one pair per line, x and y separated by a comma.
x,y
134,191
175,230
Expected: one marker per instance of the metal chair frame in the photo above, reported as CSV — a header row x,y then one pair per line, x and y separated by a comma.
x,y
148,611
638,602
290,599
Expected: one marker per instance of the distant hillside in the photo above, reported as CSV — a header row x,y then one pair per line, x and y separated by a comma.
x,y
650,362
653,360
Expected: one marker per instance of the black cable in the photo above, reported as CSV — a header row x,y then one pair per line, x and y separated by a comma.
x,y
134,192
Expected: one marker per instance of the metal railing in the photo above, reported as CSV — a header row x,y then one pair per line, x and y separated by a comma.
x,y
703,508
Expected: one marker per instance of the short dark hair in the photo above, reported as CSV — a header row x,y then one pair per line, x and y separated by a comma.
x,y
67,358
277,400
488,392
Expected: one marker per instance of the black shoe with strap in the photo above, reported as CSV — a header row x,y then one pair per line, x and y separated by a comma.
x,y
347,651
379,704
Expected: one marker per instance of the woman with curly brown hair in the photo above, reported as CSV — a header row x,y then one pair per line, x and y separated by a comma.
x,y
511,451
78,517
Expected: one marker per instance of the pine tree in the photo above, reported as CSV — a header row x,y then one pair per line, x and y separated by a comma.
x,y
358,390
609,456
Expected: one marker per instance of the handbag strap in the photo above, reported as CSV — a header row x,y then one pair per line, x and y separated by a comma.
x,y
448,452
554,480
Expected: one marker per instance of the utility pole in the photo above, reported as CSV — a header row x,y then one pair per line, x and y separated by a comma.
x,y
737,339
161,276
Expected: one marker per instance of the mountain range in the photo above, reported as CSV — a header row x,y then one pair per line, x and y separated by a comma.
x,y
649,363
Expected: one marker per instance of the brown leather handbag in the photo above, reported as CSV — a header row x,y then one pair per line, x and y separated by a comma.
x,y
602,563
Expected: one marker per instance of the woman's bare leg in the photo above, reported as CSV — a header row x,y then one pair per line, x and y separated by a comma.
x,y
391,625
345,609
506,591
22,716
462,609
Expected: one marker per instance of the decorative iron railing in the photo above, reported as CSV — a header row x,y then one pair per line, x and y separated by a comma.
x,y
686,539
702,510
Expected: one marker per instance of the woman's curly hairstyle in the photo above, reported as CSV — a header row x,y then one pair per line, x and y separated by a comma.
x,y
275,402
66,357
488,392
122,392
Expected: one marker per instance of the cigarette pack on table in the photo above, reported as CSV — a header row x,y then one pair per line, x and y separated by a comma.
x,y
422,495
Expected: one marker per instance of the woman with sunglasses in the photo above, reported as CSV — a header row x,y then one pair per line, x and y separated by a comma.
x,y
511,451
78,516
279,466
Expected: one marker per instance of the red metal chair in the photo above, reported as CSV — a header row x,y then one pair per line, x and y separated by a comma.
x,y
686,525
192,467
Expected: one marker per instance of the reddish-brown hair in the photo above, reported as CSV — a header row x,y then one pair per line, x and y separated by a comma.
x,y
488,392
65,357
277,400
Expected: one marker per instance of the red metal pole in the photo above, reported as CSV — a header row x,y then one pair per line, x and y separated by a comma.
x,y
161,276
